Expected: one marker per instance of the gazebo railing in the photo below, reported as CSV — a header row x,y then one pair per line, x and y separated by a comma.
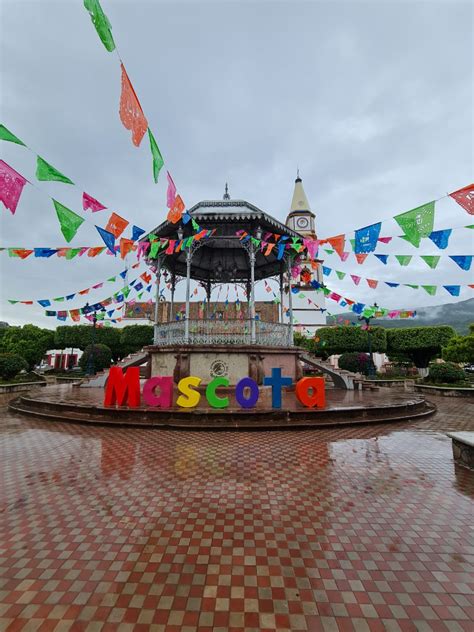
x,y
223,332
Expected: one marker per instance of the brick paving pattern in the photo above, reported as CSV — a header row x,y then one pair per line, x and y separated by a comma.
x,y
361,529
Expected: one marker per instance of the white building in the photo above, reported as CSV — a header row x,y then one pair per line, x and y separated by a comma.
x,y
306,313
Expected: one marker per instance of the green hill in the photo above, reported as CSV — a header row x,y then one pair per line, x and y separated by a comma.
x,y
458,315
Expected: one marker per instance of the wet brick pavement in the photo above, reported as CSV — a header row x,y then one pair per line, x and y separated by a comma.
x,y
359,528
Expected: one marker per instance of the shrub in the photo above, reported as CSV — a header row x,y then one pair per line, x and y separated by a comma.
x,y
102,357
355,362
446,373
342,339
11,364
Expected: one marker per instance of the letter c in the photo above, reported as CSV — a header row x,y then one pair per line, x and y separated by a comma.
x,y
189,397
214,401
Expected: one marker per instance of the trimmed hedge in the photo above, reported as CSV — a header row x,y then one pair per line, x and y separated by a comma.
x,y
446,373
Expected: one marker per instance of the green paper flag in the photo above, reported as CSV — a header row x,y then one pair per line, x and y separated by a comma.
x,y
155,246
328,251
68,220
111,279
101,23
340,274
59,299
417,223
403,260
157,157
72,252
353,244
5,134
431,289
431,260
126,291
45,171
413,287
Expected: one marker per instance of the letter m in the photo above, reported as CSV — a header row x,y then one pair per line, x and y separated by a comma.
x,y
123,388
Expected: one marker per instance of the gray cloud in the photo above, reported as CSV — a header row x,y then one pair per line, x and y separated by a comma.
x,y
373,101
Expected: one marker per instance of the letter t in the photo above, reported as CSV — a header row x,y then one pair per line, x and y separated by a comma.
x,y
276,381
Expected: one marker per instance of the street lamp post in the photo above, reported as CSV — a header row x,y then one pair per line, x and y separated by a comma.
x,y
367,320
90,370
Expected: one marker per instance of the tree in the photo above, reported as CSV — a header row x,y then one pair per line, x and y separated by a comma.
x,y
80,336
29,341
135,337
342,339
102,357
11,364
460,348
420,344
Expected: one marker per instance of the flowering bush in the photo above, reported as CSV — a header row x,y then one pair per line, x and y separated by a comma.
x,y
355,362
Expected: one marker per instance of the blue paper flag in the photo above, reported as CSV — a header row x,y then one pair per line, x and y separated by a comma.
x,y
139,286
326,271
110,312
366,238
392,284
45,252
186,217
454,290
69,297
148,289
123,274
358,308
281,250
119,298
294,290
44,303
463,261
108,238
50,313
382,258
137,232
441,237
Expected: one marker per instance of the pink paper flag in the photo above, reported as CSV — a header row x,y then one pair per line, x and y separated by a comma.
x,y
355,278
11,186
89,202
311,246
171,193
344,256
385,240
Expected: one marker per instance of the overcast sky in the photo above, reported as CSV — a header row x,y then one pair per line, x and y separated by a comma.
x,y
372,100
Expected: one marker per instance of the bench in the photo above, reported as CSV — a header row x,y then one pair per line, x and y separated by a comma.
x,y
463,448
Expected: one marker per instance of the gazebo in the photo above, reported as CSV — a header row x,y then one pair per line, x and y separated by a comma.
x,y
230,251
224,257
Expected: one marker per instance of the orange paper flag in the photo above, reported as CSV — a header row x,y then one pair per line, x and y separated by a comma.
x,y
338,243
116,225
176,211
126,246
131,113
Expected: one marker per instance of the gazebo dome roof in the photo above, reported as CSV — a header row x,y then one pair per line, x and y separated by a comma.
x,y
223,257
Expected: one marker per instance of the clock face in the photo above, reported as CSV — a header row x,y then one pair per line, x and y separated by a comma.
x,y
302,222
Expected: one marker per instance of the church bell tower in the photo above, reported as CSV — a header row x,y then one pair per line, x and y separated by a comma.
x,y
306,309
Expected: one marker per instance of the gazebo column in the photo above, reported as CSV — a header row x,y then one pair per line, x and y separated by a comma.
x,y
290,304
208,296
253,333
156,324
188,293
282,290
173,287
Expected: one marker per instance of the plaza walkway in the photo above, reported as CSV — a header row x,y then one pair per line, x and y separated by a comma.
x,y
366,528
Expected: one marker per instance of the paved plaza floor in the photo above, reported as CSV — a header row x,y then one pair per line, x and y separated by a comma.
x,y
365,528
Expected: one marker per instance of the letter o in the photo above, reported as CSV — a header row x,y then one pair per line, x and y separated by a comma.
x,y
246,402
317,397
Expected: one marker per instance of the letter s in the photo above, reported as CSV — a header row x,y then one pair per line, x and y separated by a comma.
x,y
189,397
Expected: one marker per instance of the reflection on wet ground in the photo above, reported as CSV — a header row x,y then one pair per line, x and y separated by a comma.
x,y
362,528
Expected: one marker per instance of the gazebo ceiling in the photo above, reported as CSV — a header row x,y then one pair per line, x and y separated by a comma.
x,y
223,257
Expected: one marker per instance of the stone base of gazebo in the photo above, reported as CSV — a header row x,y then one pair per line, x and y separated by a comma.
x,y
231,361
